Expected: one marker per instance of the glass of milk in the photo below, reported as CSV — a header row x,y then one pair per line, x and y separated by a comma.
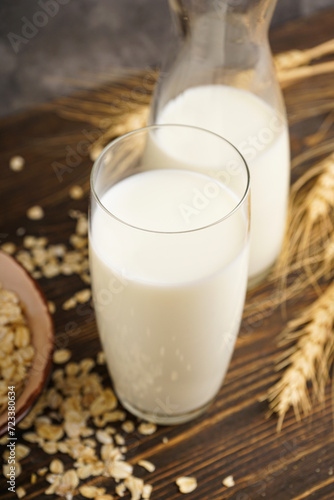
x,y
169,244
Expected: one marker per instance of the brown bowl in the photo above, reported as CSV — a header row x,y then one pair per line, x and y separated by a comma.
x,y
14,277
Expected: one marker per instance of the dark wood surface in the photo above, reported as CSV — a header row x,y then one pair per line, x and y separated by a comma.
x,y
233,437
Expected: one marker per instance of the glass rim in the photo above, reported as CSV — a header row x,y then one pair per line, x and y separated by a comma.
x,y
147,129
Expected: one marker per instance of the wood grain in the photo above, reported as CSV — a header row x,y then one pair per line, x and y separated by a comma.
x,y
233,437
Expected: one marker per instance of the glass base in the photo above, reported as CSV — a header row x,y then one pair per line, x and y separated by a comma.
x,y
163,418
255,280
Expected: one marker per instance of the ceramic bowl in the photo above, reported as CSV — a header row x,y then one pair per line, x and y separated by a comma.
x,y
14,277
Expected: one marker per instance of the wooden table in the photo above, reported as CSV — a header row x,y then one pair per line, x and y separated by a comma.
x,y
233,437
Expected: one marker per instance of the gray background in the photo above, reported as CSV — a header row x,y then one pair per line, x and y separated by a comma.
x,y
88,37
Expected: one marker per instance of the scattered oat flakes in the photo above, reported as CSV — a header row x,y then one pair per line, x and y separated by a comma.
x,y
85,278
95,152
18,469
76,192
115,416
31,437
42,471
33,478
35,213
86,365
101,358
61,356
82,226
69,304
147,465
165,440
135,485
85,471
9,248
21,451
104,497
128,426
120,489
103,437
119,439
56,466
50,447
147,428
67,483
83,296
25,259
186,484
228,482
16,163
147,491
51,306
50,270
72,369
20,492
29,241
120,469
78,242
105,402
91,491
6,469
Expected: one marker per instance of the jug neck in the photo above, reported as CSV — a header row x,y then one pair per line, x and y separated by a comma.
x,y
250,18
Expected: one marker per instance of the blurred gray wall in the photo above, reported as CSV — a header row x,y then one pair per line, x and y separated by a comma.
x,y
44,43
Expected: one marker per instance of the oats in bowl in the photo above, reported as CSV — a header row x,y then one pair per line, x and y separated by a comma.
x,y
26,340
16,349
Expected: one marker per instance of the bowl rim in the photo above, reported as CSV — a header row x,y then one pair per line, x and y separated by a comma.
x,y
29,396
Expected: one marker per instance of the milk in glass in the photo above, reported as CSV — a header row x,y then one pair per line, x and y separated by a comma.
x,y
169,256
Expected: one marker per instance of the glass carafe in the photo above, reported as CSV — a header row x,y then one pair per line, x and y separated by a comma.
x,y
219,75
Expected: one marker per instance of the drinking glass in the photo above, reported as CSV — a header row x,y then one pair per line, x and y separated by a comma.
x,y
169,241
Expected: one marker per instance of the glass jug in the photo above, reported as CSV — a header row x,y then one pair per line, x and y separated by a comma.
x,y
219,75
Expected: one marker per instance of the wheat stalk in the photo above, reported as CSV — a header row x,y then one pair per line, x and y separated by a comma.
x,y
292,75
293,65
308,360
295,58
124,105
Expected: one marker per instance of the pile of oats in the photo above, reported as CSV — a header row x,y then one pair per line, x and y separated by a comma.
x,y
16,350
78,417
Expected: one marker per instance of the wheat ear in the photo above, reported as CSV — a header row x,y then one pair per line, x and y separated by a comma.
x,y
308,360
310,224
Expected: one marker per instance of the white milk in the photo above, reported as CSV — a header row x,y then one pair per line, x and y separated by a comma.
x,y
262,137
168,305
